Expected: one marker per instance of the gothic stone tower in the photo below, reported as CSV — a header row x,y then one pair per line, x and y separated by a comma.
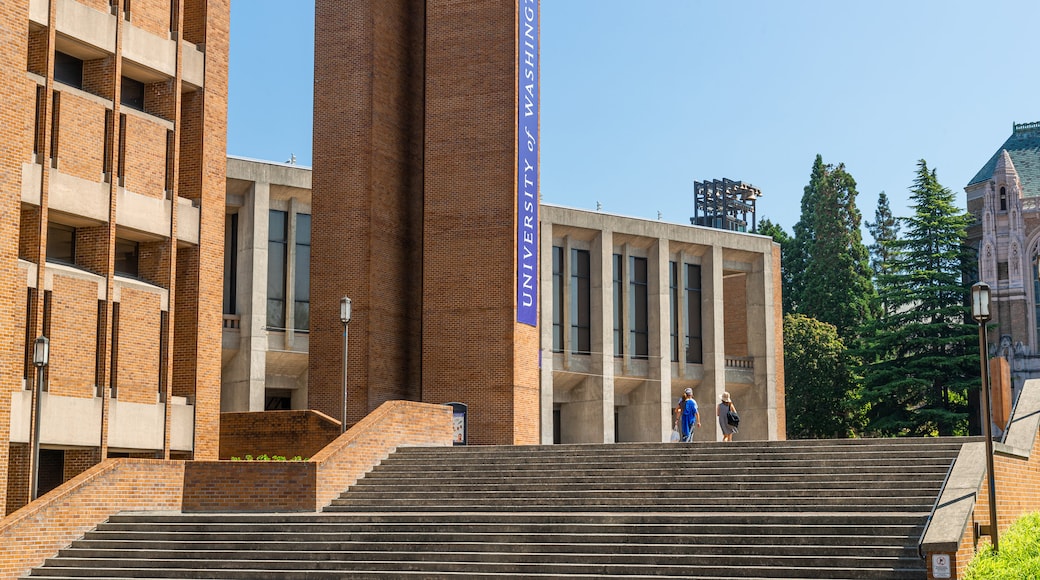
x,y
425,209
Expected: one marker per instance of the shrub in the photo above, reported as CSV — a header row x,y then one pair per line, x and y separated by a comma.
x,y
1019,555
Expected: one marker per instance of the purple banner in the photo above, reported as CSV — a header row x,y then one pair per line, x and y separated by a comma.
x,y
527,165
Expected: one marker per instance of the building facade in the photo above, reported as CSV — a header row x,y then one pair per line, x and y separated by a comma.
x,y
112,183
1004,198
632,312
636,311
425,209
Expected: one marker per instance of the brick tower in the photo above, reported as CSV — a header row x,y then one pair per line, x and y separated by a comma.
x,y
425,209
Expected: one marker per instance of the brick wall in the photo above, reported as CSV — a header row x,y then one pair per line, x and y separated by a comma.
x,y
81,129
151,16
74,306
38,530
138,373
285,433
734,292
145,156
310,485
17,476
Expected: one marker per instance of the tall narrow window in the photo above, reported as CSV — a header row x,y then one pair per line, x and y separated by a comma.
x,y
27,355
277,254
174,8
581,302
114,375
106,160
673,304
48,307
302,274
168,181
99,358
41,95
126,10
694,351
638,313
557,298
164,324
122,151
55,126
1003,199
231,264
619,283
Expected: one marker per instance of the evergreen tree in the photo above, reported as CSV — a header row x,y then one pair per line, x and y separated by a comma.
x,y
885,230
768,228
821,389
796,257
837,286
923,356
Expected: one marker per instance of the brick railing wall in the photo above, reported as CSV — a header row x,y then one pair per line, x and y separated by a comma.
x,y
286,433
964,502
266,486
40,529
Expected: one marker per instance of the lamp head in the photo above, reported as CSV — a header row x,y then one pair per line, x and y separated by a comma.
x,y
344,310
980,300
41,352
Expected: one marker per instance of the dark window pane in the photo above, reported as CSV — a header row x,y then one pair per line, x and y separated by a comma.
x,y
557,294
127,253
619,282
131,93
68,69
277,251
638,292
581,302
61,243
694,351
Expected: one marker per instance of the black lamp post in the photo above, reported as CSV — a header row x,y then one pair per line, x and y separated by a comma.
x,y
344,317
980,300
41,356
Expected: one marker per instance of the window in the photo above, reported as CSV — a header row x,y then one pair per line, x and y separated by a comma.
x,y
127,254
277,254
55,126
1003,199
302,274
619,282
673,302
694,351
638,296
581,302
61,243
121,175
231,264
131,93
41,101
106,159
68,70
557,298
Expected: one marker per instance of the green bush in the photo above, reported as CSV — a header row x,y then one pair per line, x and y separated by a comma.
x,y
266,457
1019,555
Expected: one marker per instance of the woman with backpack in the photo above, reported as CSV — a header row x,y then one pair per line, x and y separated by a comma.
x,y
727,412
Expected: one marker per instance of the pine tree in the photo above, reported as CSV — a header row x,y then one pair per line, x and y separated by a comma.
x,y
775,231
800,248
885,230
837,286
923,356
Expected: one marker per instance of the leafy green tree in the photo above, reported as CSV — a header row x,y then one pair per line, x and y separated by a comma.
x,y
922,355
837,287
885,230
821,388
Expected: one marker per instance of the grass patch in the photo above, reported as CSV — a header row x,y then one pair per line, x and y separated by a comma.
x,y
1019,555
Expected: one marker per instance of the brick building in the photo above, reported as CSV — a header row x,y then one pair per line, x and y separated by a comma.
x,y
112,162
1004,198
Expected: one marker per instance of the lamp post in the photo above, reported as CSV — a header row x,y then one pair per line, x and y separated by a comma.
x,y
980,300
41,356
344,317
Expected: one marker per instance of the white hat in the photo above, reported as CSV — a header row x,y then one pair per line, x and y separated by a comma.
x,y
688,391
725,397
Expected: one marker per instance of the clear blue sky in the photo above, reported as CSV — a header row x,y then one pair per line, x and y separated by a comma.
x,y
640,99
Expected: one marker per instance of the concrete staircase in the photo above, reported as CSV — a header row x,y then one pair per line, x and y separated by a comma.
x,y
796,509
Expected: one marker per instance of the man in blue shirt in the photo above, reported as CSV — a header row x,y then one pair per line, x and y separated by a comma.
x,y
687,416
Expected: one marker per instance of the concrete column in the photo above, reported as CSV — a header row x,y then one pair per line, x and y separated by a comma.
x,y
602,256
659,425
245,374
713,308
545,308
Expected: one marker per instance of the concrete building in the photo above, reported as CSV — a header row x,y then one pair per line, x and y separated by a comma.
x,y
632,312
1004,198
635,311
266,286
112,155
